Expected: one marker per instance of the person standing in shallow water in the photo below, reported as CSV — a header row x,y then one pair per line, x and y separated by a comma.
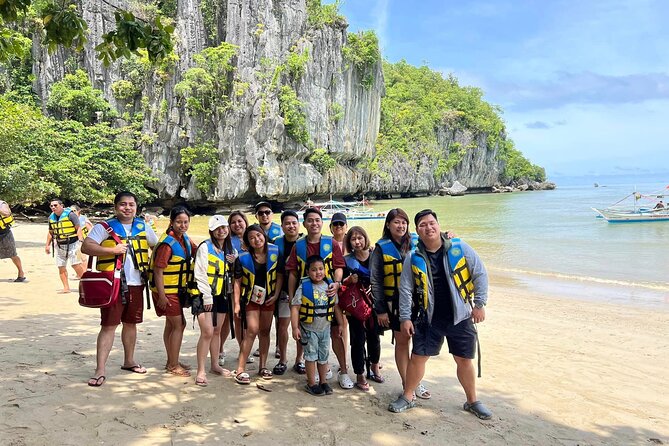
x,y
7,243
171,270
443,293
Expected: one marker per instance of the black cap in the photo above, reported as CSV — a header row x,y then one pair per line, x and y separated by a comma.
x,y
262,204
338,217
423,213
289,213
312,211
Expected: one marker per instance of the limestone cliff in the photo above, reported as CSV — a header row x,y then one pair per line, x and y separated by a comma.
x,y
256,155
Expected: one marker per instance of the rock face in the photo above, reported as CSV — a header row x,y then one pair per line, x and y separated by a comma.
x,y
256,155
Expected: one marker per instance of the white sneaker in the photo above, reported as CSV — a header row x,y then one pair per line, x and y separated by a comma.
x,y
345,381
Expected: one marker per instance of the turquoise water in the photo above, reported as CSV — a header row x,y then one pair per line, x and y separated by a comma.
x,y
551,243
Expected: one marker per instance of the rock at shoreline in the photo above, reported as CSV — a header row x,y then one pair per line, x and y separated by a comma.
x,y
456,190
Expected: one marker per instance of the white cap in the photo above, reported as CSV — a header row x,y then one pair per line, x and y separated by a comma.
x,y
216,222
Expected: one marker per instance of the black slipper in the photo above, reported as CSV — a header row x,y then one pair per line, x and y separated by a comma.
x,y
97,382
134,369
20,279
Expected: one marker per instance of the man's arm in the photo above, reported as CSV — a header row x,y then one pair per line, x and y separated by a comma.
x,y
478,273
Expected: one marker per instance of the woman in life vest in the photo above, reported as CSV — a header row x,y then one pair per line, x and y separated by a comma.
x,y
386,267
258,283
170,273
357,272
213,277
238,224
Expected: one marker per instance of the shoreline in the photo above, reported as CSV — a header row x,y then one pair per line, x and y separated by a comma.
x,y
556,371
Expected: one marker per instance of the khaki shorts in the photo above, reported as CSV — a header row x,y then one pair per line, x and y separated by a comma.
x,y
67,253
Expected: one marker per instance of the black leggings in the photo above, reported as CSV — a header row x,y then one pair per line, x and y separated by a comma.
x,y
359,333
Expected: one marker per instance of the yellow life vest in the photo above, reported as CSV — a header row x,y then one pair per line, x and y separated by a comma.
x,y
217,267
6,222
325,253
138,244
179,270
62,227
460,271
309,309
392,265
249,272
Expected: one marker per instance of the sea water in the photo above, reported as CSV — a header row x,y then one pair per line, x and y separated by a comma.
x,y
550,242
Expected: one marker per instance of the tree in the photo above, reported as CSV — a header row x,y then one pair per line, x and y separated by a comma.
x,y
60,23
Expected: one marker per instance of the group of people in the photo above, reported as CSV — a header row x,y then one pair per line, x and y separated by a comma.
x,y
424,288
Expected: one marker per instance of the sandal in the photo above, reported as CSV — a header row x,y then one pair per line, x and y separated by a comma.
x,y
97,382
376,378
243,378
280,369
300,368
314,390
422,392
202,382
178,371
362,386
401,404
478,409
265,373
134,369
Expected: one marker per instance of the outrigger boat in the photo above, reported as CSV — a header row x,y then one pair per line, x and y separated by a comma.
x,y
353,210
644,207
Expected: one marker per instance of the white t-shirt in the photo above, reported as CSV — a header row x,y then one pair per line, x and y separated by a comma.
x,y
132,276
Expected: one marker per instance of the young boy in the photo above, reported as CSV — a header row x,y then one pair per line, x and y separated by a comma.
x,y
311,312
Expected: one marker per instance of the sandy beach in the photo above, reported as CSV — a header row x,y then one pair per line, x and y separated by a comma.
x,y
556,371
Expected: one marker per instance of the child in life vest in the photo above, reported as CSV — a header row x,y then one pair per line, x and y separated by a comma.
x,y
312,311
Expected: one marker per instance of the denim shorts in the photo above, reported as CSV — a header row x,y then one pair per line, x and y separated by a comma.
x,y
461,339
316,345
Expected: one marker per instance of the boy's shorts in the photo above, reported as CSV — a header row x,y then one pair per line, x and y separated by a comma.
x,y
316,345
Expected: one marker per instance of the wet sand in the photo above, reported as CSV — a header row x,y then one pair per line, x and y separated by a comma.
x,y
557,370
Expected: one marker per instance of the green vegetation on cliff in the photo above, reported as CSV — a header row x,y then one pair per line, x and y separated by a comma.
x,y
420,101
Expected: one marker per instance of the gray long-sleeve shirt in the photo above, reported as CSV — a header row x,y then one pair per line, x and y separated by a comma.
x,y
461,309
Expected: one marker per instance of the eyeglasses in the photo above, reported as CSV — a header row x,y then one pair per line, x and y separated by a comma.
x,y
338,223
53,205
264,212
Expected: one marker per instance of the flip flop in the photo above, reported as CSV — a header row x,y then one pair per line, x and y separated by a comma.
x,y
376,378
227,373
95,382
135,369
20,279
262,387
201,382
243,378
362,386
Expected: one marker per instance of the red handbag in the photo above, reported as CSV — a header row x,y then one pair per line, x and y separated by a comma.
x,y
101,289
354,299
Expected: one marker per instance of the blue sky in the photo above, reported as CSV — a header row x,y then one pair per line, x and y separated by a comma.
x,y
584,84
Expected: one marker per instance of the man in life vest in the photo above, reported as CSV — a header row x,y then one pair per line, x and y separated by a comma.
x,y
137,237
7,243
314,243
443,293
264,216
65,231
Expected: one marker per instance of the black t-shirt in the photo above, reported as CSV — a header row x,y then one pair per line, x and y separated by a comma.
x,y
261,271
443,306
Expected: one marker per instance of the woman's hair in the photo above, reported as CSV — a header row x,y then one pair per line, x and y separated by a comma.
x,y
256,228
349,234
405,242
175,212
233,214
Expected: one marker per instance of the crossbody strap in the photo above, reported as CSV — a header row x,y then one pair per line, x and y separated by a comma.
x,y
112,234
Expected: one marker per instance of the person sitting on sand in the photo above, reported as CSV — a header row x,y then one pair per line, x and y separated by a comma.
x,y
171,270
7,243
129,311
312,311
65,231
443,293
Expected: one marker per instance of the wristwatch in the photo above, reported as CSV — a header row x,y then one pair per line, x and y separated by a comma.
x,y
479,305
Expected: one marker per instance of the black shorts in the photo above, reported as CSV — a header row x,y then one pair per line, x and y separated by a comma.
x,y
461,338
221,304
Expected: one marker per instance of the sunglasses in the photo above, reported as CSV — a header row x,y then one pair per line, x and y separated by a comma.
x,y
339,223
264,212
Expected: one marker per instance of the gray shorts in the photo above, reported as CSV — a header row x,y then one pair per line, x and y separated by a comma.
x,y
283,305
7,246
316,345
67,253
